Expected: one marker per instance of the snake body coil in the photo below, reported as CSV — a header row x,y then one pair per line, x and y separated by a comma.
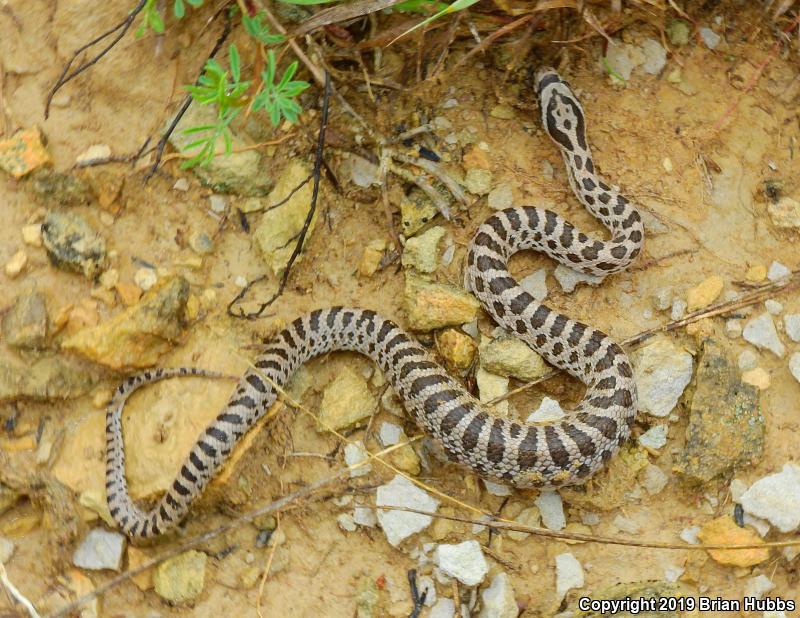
x,y
525,455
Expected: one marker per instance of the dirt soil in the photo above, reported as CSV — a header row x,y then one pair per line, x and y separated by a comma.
x,y
661,145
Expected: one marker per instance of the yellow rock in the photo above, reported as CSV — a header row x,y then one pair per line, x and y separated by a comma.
x,y
16,264
475,157
435,305
138,336
279,226
701,329
416,213
371,258
457,349
491,386
512,357
724,531
129,293
757,377
136,558
345,401
32,234
181,579
756,273
422,251
705,293
23,152
405,458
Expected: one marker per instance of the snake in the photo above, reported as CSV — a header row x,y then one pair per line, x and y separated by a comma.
x,y
551,454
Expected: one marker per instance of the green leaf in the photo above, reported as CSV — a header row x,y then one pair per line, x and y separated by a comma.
x,y
179,9
233,60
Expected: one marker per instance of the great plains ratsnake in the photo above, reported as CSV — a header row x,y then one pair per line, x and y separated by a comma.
x,y
525,455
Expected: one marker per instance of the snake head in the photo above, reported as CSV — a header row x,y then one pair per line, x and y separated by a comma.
x,y
562,114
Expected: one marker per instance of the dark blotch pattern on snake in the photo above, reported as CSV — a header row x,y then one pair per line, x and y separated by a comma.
x,y
525,455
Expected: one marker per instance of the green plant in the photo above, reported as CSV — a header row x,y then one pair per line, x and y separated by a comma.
x,y
278,99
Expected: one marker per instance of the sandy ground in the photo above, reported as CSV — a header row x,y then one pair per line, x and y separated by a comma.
x,y
715,220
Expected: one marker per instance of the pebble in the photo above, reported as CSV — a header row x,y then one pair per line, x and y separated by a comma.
x,y
737,489
757,377
778,271
535,284
760,525
218,203
478,181
100,549
733,328
785,213
457,348
390,434
448,254
672,572
16,264
356,456
201,243
548,411
773,306
95,152
760,331
181,185
365,516
689,535
776,498
747,360
443,608
422,252
399,525
32,234
498,600
491,386
724,531
372,257
346,522
653,479
678,309
569,574
435,305
655,56
705,293
662,371
464,562
791,323
511,357
501,197
426,586
662,300
568,279
710,38
623,58
655,437
756,273
678,32
181,579
363,173
346,400
758,586
551,509
496,489
72,244
24,325
145,278
23,152
794,365
415,212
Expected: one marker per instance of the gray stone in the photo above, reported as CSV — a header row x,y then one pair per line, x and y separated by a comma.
x,y
569,279
773,306
662,371
390,434
663,299
356,458
444,608
791,323
399,525
622,58
201,243
551,509
25,324
747,360
72,244
653,479
760,331
710,38
778,271
548,411
655,437
100,549
501,197
794,365
498,599
535,284
463,561
569,574
776,498
678,308
655,56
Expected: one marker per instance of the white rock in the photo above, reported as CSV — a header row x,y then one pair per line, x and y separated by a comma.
x,y
426,586
218,203
737,489
792,325
710,38
653,479
655,437
498,599
390,434
535,284
569,279
448,254
678,309
589,518
776,498
625,524
496,489
363,173
552,510
444,608
181,185
760,331
501,197
777,271
240,281
100,549
663,299
759,525
733,328
399,525
355,454
623,58
471,328
145,278
6,550
463,561
773,306
794,365
747,360
346,522
758,586
569,574
655,56
548,410
689,535
673,572
662,371
364,516
95,152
